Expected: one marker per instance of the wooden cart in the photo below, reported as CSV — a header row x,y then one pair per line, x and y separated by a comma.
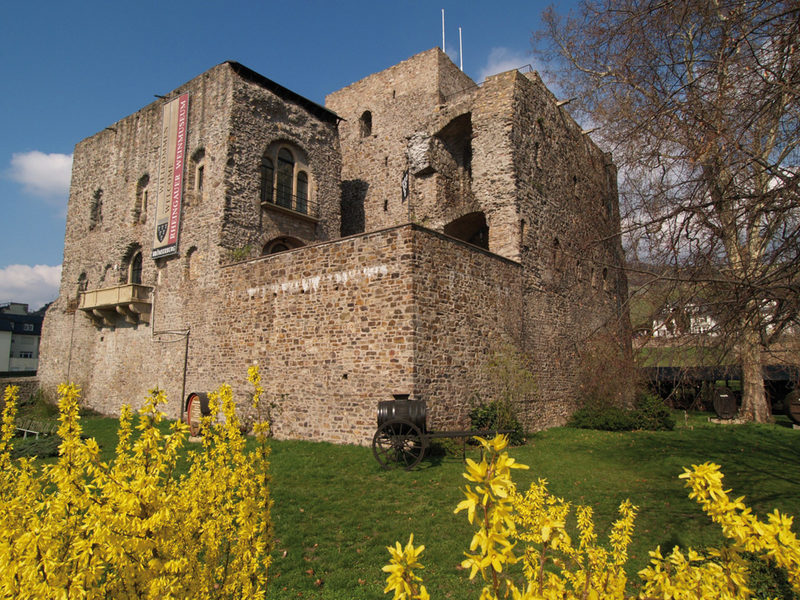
x,y
402,436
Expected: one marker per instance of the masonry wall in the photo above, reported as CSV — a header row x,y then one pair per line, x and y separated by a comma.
x,y
338,327
331,327
571,251
468,309
343,323
27,387
260,118
107,222
231,121
402,100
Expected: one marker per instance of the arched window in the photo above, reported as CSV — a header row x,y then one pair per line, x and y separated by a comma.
x,y
285,175
556,254
278,247
135,270
281,244
83,283
285,179
366,123
193,260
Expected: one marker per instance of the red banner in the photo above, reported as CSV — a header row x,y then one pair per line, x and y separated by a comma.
x,y
170,185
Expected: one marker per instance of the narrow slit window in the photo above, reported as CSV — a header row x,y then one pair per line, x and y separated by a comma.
x,y
366,124
136,269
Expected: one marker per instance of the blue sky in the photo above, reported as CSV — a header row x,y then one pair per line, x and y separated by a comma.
x,y
69,69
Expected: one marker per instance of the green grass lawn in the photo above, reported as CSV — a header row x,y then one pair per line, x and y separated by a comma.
x,y
335,511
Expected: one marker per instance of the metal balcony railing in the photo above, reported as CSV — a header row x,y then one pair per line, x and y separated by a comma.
x,y
295,204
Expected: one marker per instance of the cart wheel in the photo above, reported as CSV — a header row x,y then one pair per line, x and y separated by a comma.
x,y
398,443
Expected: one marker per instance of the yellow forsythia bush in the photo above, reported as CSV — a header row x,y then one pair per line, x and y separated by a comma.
x,y
133,527
530,530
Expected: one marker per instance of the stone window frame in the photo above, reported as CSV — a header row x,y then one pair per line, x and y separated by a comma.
x,y
96,209
135,269
365,124
83,282
190,271
275,161
140,205
133,265
197,175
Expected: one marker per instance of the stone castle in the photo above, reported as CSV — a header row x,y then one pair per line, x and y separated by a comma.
x,y
390,242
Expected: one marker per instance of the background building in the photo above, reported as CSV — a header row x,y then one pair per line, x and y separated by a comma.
x,y
19,338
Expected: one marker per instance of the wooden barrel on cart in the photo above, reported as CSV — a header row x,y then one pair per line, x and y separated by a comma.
x,y
413,411
793,406
725,402
196,409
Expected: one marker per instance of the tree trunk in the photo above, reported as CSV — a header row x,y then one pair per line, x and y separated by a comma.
x,y
755,406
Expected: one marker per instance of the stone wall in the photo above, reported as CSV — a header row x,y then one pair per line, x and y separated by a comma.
x,y
345,322
27,387
338,327
228,131
260,118
116,161
571,251
468,308
401,101
331,327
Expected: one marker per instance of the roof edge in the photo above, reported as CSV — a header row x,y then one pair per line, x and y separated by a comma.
x,y
317,110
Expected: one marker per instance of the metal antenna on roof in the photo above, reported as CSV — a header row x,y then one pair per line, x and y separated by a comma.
x,y
460,52
443,50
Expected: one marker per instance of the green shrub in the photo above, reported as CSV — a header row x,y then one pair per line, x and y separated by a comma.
x,y
498,415
42,447
650,414
766,579
604,419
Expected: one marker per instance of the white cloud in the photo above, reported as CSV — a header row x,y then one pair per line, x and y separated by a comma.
x,y
452,53
43,175
34,286
503,59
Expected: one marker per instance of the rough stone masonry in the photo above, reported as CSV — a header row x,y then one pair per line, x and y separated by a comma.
x,y
390,242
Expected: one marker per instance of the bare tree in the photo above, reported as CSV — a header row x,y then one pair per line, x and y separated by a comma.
x,y
698,101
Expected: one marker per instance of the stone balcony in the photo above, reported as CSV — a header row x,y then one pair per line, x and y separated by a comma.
x,y
104,306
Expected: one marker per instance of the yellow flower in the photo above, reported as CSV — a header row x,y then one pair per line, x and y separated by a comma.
x,y
401,579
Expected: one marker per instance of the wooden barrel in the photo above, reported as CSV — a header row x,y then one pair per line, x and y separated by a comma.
x,y
725,403
196,409
793,406
414,411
